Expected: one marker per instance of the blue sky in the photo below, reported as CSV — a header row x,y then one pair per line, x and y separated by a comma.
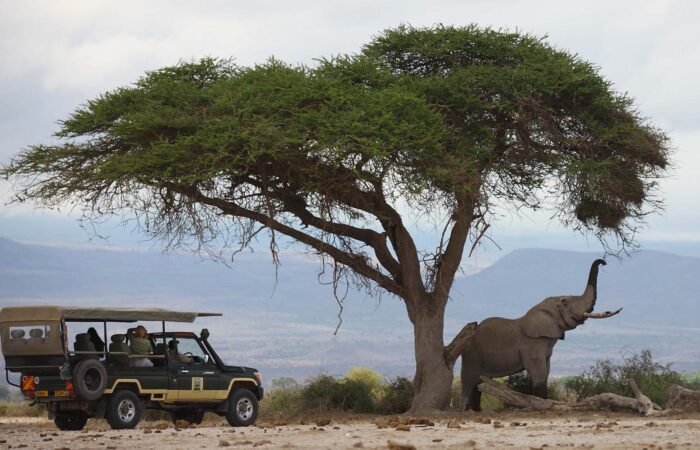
x,y
57,55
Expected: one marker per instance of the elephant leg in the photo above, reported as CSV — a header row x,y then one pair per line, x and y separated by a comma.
x,y
475,399
471,396
538,369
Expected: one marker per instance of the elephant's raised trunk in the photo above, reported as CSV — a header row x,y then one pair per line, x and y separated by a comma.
x,y
590,294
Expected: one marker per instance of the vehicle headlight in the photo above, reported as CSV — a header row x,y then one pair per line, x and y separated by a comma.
x,y
258,376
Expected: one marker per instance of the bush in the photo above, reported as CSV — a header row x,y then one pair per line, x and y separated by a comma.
x,y
367,377
520,382
396,397
279,403
653,378
326,393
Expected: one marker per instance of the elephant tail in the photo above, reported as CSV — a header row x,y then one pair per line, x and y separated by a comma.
x,y
592,285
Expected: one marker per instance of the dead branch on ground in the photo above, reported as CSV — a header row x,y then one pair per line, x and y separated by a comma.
x,y
606,401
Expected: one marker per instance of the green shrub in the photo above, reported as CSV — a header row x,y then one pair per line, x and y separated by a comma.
x,y
367,377
282,403
653,378
396,397
327,393
520,382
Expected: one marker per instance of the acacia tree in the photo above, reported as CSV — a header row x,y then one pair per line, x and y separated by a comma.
x,y
441,123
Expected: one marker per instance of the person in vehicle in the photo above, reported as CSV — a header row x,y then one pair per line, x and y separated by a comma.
x,y
175,356
140,344
96,340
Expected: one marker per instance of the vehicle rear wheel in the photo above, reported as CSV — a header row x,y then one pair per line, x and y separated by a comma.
x,y
70,421
124,410
195,416
89,379
242,408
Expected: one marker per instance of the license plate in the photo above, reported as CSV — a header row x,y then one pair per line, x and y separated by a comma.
x,y
41,393
61,393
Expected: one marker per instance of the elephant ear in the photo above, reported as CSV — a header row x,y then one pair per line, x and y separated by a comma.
x,y
551,318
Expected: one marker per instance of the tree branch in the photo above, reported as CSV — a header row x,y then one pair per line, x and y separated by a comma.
x,y
355,262
375,204
448,262
295,205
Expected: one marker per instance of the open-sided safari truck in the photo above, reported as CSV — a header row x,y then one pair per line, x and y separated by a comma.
x,y
77,380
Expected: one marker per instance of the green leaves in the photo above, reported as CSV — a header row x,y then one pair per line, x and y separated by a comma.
x,y
432,115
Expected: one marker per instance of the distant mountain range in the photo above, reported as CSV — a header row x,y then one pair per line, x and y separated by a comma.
x,y
284,325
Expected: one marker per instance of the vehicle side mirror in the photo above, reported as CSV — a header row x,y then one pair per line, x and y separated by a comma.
x,y
206,359
204,334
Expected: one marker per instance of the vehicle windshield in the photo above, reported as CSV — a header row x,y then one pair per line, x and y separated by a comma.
x,y
187,350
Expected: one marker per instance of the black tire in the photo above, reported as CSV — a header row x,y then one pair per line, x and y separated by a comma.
x,y
89,379
242,408
124,410
195,416
70,421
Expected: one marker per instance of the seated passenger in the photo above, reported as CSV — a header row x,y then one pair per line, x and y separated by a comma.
x,y
96,340
140,345
175,356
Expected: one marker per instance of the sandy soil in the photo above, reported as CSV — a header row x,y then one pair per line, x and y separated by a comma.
x,y
521,430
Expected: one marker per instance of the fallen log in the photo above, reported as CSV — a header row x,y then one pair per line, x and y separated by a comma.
x,y
607,401
518,399
682,398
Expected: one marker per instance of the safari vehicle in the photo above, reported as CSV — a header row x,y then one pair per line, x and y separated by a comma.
x,y
185,375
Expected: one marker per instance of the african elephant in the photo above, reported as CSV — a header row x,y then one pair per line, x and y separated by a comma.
x,y
501,347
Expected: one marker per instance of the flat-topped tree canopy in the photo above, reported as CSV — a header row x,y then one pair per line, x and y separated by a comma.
x,y
90,314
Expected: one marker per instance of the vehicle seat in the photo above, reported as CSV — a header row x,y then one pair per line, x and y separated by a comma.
x,y
159,350
84,344
118,345
17,337
36,336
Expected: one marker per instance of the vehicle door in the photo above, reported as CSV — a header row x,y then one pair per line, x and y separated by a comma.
x,y
199,378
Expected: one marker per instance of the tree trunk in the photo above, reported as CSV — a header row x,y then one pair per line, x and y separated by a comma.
x,y
433,379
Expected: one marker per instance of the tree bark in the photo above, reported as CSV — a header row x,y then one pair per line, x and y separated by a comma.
x,y
433,380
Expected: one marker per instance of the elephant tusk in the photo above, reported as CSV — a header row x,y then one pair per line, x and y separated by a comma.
x,y
603,315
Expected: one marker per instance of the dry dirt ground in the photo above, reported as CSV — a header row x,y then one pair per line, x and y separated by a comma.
x,y
485,431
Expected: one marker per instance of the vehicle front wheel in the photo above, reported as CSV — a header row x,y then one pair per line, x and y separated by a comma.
x,y
70,421
242,408
124,410
195,416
